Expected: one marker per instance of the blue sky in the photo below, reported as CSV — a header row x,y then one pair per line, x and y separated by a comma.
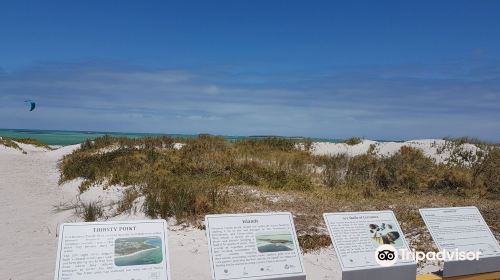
x,y
376,69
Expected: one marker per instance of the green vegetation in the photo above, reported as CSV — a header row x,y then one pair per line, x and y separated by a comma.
x,y
189,181
33,142
212,175
90,212
353,141
7,142
488,172
468,140
11,142
127,201
459,154
310,242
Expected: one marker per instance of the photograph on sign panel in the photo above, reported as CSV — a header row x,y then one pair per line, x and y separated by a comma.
x,y
385,234
277,241
138,251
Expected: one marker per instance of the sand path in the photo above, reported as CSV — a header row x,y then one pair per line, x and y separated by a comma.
x,y
28,192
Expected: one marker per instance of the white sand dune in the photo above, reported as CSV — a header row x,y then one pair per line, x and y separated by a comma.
x,y
29,191
439,150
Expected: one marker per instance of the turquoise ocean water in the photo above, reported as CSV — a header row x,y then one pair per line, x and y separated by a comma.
x,y
152,256
60,137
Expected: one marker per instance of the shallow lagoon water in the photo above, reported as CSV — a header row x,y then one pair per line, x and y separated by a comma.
x,y
149,256
153,256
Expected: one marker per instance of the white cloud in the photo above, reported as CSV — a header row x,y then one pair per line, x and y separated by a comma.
x,y
174,101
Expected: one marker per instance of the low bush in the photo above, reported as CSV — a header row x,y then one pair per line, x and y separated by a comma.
x,y
90,212
12,142
190,181
353,141
452,180
7,142
333,169
33,142
195,180
487,172
309,242
127,201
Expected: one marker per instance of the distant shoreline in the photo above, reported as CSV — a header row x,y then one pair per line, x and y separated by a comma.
x,y
67,137
136,253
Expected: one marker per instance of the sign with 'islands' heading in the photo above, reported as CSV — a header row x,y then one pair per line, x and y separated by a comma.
x,y
254,246
113,250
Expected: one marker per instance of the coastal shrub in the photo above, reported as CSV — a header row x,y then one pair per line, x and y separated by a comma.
x,y
127,200
197,179
312,242
117,167
270,143
192,180
353,141
407,177
182,197
372,149
455,180
98,143
31,141
383,178
361,168
334,169
467,140
107,141
12,142
368,191
307,144
461,156
90,212
408,169
7,142
488,171
86,145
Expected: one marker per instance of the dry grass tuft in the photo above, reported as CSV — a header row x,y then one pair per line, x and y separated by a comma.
x,y
7,142
353,141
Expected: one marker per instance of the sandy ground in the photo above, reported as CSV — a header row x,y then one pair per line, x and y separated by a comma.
x,y
29,195
28,191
